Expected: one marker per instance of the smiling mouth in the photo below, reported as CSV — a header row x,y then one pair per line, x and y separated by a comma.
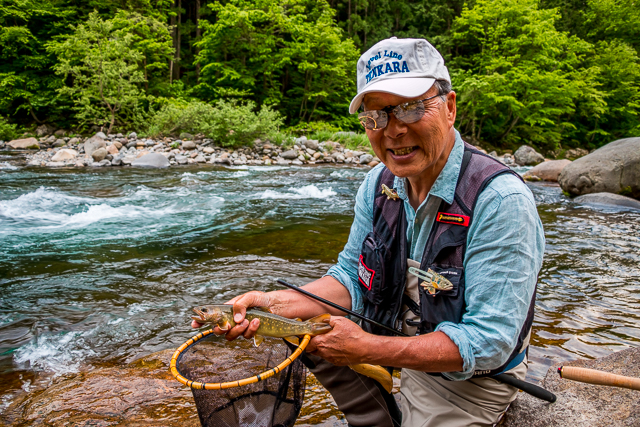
x,y
403,151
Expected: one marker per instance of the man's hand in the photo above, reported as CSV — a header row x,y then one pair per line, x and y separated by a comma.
x,y
240,305
346,344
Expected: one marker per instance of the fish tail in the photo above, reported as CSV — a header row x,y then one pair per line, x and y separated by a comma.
x,y
375,372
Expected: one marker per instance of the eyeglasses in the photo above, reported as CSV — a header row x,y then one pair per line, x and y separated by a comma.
x,y
409,112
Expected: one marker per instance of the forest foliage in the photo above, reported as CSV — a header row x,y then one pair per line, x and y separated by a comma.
x,y
548,73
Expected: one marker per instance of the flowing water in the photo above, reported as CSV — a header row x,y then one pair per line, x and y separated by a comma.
x,y
102,266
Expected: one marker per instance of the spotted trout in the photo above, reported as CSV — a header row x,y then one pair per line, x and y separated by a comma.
x,y
272,325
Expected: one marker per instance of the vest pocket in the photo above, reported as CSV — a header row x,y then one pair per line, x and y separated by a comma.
x,y
443,306
371,272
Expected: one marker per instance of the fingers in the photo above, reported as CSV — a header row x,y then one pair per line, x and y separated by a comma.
x,y
250,299
195,324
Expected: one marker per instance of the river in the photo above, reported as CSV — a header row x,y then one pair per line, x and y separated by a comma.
x,y
102,266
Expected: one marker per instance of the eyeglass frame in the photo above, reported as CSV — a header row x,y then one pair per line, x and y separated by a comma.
x,y
389,109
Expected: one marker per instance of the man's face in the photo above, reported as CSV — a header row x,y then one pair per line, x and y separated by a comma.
x,y
409,149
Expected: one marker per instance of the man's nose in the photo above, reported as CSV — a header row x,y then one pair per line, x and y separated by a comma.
x,y
395,128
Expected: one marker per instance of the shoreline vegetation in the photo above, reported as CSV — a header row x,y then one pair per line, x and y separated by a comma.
x,y
552,74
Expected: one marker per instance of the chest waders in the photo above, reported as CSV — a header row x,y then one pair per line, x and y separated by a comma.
x,y
383,261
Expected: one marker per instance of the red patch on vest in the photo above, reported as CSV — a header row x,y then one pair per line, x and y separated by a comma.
x,y
365,274
449,218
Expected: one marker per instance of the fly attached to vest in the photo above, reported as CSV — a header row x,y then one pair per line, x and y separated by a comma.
x,y
382,266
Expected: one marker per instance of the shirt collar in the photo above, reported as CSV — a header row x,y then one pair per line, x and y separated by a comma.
x,y
445,185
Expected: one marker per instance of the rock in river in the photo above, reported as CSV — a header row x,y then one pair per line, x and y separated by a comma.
x,y
151,160
24,143
613,168
99,154
64,154
547,171
527,156
142,393
608,199
94,143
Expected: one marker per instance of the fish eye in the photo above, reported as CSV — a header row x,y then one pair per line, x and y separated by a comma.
x,y
204,309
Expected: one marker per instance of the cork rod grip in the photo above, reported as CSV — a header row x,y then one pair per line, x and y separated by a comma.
x,y
592,376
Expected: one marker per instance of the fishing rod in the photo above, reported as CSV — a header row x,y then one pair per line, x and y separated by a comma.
x,y
529,388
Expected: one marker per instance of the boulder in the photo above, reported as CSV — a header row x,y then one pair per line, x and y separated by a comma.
x,y
25,143
580,404
290,154
142,393
127,160
547,171
366,159
575,153
73,141
101,135
59,143
64,154
94,143
189,145
112,149
608,199
310,143
527,156
133,135
99,154
614,168
60,133
44,130
186,135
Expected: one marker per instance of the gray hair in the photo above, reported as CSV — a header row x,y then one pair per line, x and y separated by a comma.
x,y
443,86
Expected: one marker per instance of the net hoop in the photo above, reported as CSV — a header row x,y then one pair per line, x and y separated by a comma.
x,y
230,384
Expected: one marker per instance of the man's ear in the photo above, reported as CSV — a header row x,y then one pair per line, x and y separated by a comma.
x,y
451,108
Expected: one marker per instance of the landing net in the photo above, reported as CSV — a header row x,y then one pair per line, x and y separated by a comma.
x,y
212,367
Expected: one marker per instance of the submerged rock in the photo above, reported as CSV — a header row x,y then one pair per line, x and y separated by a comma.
x,y
140,393
608,199
580,404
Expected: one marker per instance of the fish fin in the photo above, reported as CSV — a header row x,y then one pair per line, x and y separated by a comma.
x,y
225,327
265,309
375,372
257,340
298,319
323,318
293,340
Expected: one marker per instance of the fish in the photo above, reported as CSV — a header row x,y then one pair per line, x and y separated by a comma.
x,y
272,325
389,192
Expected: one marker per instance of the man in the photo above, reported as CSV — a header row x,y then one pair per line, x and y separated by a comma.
x,y
435,204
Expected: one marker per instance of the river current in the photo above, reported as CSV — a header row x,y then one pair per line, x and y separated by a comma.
x,y
102,266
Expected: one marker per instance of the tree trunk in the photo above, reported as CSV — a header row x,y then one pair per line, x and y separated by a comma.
x,y
197,39
172,23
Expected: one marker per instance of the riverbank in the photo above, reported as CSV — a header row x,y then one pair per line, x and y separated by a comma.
x,y
118,150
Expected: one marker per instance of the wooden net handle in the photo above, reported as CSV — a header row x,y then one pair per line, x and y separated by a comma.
x,y
593,376
245,381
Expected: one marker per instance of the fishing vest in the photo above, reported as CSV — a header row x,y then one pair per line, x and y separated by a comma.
x,y
382,265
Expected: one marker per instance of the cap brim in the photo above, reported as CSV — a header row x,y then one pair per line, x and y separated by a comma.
x,y
409,87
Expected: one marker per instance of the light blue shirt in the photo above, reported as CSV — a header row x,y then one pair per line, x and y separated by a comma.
x,y
505,245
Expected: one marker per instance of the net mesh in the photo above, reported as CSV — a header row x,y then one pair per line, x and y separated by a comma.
x,y
273,402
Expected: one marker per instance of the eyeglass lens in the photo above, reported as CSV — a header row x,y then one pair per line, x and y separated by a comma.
x,y
378,119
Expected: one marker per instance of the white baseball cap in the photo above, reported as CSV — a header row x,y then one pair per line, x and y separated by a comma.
x,y
404,67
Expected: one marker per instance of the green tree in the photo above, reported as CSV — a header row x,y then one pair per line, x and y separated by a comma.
x,y
520,80
289,53
103,69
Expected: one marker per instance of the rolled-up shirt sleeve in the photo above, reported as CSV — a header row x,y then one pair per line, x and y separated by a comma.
x,y
346,270
504,253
